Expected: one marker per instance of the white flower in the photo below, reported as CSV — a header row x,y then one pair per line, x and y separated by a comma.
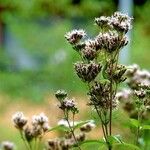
x,y
19,120
39,119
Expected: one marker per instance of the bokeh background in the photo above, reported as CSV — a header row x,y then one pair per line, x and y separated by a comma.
x,y
35,59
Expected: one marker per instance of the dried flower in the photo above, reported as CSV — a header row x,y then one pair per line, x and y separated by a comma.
x,y
75,36
87,72
6,145
19,120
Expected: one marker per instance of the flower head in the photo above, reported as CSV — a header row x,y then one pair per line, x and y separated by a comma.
x,y
40,124
87,72
68,105
19,120
75,36
121,22
103,22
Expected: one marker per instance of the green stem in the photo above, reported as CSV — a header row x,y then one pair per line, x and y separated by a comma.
x,y
138,128
28,147
71,130
111,98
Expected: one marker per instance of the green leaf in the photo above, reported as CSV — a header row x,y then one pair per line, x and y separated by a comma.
x,y
145,127
125,146
117,138
59,128
134,123
81,123
92,142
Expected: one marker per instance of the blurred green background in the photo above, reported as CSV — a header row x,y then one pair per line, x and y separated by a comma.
x,y
34,56
36,60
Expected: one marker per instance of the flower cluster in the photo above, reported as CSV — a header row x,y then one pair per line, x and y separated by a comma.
x,y
99,67
119,21
39,125
137,78
111,41
66,104
137,97
68,141
75,36
64,143
87,71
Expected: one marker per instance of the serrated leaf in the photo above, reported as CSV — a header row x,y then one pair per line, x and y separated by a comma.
x,y
125,146
134,123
